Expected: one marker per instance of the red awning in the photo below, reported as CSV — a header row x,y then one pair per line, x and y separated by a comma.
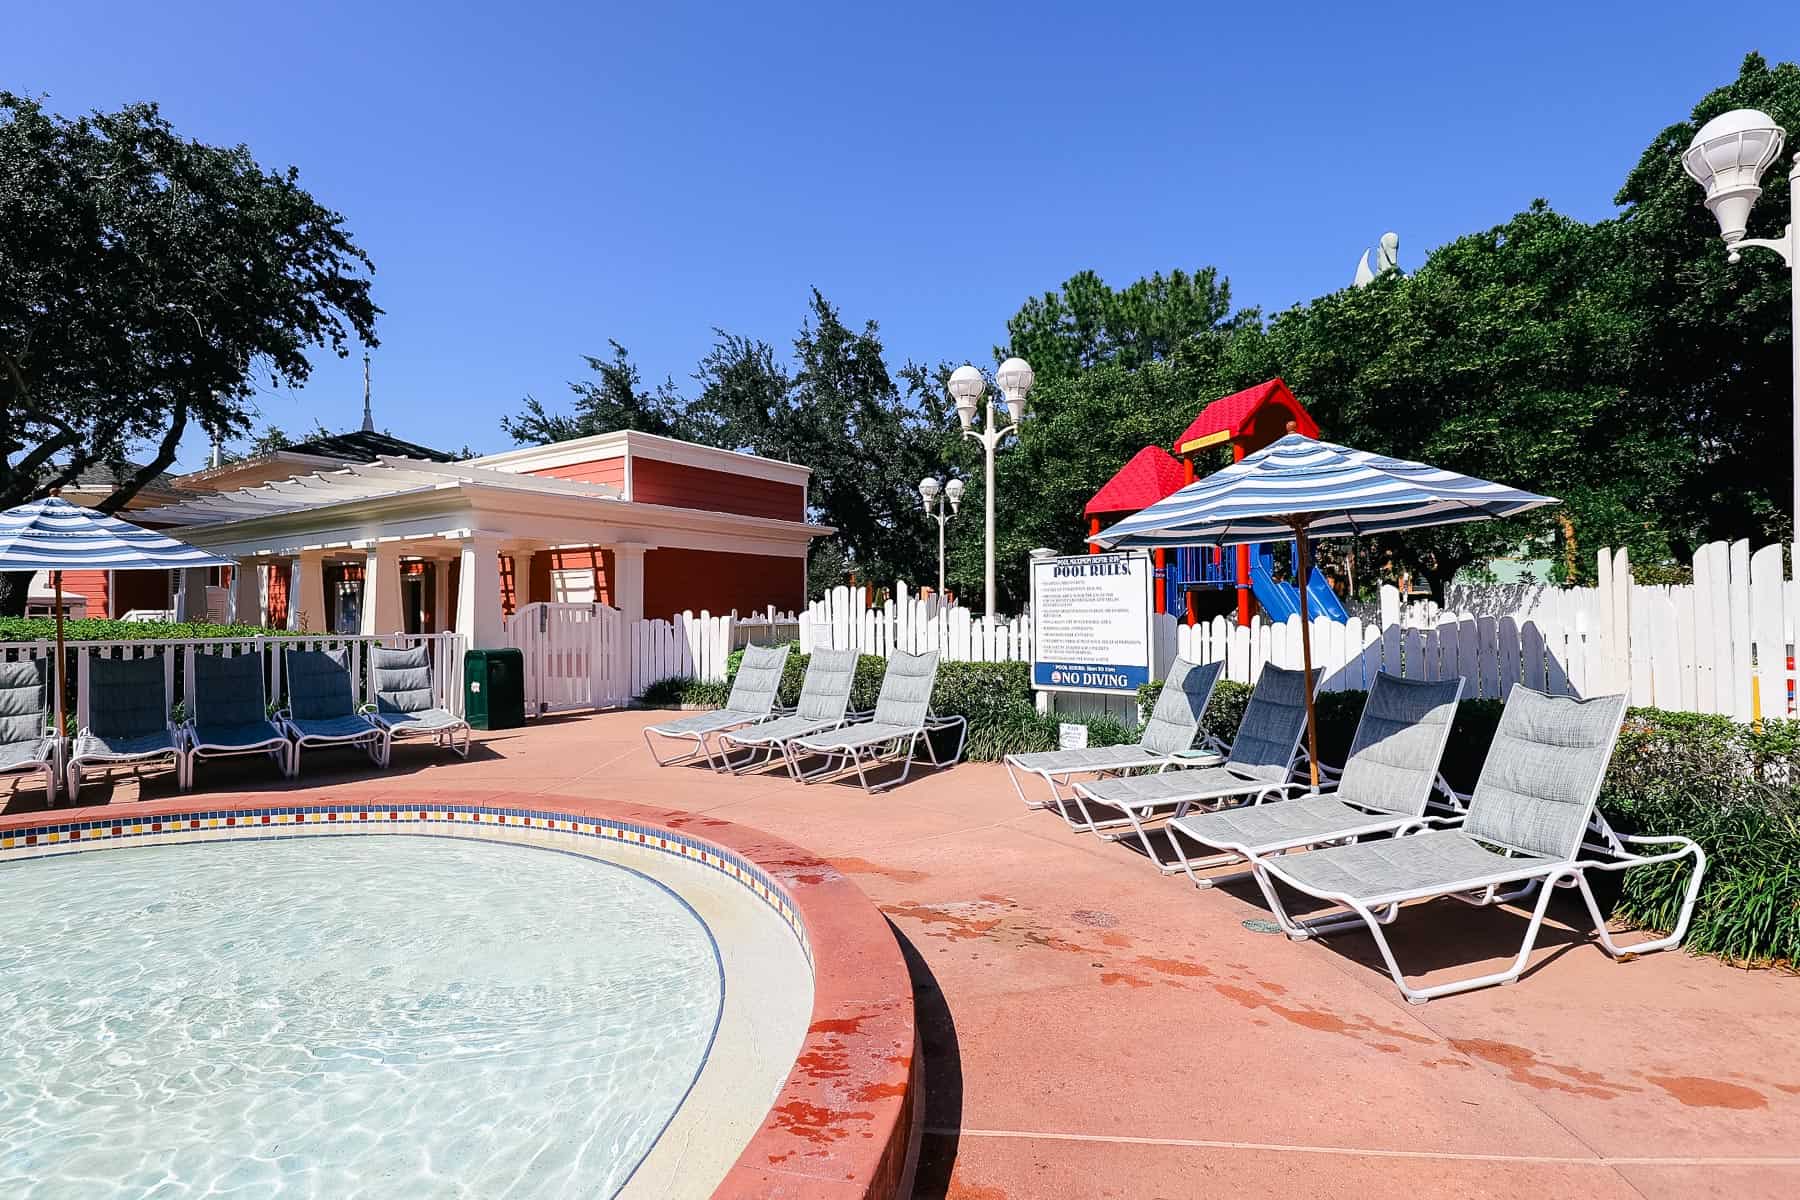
x,y
1149,476
1264,409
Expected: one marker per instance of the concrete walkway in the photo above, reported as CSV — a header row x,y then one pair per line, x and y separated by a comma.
x,y
1094,1029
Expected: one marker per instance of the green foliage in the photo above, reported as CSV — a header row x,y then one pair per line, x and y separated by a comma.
x,y
102,629
152,284
1735,789
614,399
683,691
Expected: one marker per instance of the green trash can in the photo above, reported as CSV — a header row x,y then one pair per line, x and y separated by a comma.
x,y
494,689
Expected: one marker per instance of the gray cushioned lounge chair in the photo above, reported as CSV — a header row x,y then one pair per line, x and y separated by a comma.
x,y
228,712
1260,767
1385,785
25,704
1167,738
1528,817
752,699
128,720
321,707
404,703
824,701
902,721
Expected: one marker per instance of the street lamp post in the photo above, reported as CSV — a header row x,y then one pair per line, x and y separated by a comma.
x,y
967,388
1728,158
935,494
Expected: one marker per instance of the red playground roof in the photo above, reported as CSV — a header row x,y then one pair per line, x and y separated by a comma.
x,y
1149,476
1259,415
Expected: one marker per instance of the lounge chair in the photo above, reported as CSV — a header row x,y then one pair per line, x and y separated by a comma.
x,y
901,722
1261,767
824,700
228,712
25,706
321,707
1528,817
1167,738
128,720
752,700
1387,781
404,702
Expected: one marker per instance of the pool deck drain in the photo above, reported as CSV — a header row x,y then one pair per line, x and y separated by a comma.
x,y
1175,1052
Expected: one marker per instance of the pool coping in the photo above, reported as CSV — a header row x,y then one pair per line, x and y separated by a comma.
x,y
842,1124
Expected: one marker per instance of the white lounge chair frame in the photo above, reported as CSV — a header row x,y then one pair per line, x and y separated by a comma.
x,y
761,679
51,765
193,749
1378,820
437,723
858,746
1136,816
1501,886
761,742
1112,761
105,760
369,736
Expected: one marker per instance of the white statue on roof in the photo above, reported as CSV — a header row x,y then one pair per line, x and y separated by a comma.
x,y
1387,258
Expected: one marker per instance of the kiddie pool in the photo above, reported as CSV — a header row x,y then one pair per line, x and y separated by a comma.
x,y
485,1001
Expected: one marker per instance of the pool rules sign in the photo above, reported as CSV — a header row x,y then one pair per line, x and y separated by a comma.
x,y
1090,622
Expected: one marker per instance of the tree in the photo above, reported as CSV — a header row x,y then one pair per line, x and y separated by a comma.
x,y
867,437
1086,323
614,399
150,283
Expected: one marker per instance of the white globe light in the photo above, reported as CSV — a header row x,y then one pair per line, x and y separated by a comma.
x,y
954,490
1728,158
966,388
1015,378
928,487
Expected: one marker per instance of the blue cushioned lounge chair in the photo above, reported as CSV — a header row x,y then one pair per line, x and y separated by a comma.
x,y
404,703
128,720
25,705
321,707
228,712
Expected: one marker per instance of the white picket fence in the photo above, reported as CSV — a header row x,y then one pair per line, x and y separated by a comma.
x,y
446,651
844,619
575,656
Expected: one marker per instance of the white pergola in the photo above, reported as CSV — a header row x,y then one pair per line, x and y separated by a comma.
x,y
394,509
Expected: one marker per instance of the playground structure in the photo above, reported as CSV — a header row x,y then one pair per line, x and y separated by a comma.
x,y
1240,577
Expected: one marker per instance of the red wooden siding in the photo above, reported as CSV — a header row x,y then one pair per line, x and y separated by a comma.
x,y
677,580
604,470
92,585
656,482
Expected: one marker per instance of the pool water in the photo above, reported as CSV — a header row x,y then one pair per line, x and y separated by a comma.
x,y
364,1015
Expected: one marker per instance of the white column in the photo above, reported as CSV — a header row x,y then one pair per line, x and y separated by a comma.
x,y
381,589
246,593
478,592
306,592
522,580
627,582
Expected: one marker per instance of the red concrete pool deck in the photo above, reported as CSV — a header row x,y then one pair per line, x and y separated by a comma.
x,y
1091,1028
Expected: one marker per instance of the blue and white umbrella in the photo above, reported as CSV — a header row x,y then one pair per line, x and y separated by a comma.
x,y
1307,489
56,536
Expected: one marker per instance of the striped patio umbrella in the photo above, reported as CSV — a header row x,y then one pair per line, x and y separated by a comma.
x,y
56,536
1308,489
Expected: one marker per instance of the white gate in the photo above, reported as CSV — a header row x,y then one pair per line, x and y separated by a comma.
x,y
575,656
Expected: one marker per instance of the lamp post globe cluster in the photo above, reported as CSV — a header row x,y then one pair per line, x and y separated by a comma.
x,y
1728,158
936,494
967,389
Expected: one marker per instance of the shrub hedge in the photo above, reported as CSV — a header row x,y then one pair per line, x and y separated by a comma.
x,y
105,629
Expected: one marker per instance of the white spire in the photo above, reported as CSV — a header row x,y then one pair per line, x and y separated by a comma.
x,y
368,412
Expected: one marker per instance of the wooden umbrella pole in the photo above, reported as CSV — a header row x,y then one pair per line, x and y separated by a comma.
x,y
1303,573
62,723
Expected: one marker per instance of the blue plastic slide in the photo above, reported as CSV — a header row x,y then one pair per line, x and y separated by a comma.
x,y
1281,600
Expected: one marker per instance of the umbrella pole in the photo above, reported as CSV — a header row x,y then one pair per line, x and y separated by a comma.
x,y
1303,577
61,720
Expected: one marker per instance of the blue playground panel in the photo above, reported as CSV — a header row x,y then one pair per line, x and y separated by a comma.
x,y
1216,568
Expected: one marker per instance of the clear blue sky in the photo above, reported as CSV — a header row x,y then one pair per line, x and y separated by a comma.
x,y
533,178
